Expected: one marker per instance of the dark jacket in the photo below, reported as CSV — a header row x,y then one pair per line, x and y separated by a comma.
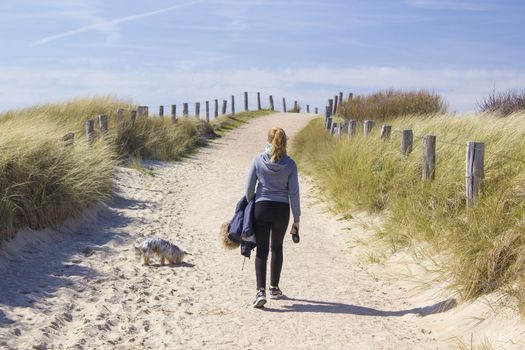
x,y
240,229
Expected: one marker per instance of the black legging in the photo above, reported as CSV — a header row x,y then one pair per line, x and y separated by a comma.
x,y
271,218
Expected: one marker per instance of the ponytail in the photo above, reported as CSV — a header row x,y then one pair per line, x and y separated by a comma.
x,y
277,137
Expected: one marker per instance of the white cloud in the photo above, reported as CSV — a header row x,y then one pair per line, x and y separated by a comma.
x,y
111,27
24,87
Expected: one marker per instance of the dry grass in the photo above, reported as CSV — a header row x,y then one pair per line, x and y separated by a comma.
x,y
484,247
391,104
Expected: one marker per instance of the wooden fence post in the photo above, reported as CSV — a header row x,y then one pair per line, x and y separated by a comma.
x,y
331,105
216,112
385,132
146,111
475,172
120,118
307,108
272,108
350,96
197,110
340,97
103,123
335,104
140,111
284,104
407,138
174,113
90,128
208,111
367,127
246,101
133,117
184,109
233,105
295,106
224,106
352,128
327,115
69,139
259,101
316,110
429,157
333,128
161,111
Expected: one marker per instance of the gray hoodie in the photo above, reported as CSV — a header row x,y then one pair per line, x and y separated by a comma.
x,y
277,182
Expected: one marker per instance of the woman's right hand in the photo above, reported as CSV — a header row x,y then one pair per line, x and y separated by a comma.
x,y
295,228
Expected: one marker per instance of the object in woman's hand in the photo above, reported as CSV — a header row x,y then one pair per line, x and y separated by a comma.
x,y
295,234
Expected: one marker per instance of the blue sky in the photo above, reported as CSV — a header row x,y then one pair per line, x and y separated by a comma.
x,y
171,51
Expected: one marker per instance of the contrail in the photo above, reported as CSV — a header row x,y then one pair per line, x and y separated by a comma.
x,y
105,23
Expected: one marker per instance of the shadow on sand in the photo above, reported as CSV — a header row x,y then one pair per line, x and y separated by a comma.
x,y
38,272
304,305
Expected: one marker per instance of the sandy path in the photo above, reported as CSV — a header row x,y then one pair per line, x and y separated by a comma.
x,y
86,289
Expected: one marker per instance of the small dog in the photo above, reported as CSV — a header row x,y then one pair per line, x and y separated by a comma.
x,y
161,247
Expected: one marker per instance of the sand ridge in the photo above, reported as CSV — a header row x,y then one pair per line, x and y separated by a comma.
x,y
84,288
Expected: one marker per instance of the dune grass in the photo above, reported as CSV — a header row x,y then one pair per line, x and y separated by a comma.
x,y
43,182
391,104
481,249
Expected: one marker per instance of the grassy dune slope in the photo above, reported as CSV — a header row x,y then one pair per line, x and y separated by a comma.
x,y
483,249
43,182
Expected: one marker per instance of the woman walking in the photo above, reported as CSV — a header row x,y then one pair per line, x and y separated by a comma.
x,y
275,175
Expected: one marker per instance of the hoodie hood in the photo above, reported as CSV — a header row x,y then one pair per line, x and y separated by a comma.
x,y
265,160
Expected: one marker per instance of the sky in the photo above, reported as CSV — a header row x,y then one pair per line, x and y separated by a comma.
x,y
163,52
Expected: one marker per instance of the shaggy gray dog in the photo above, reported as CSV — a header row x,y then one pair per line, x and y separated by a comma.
x,y
162,248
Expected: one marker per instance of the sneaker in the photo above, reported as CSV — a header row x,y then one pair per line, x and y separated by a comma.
x,y
275,292
260,299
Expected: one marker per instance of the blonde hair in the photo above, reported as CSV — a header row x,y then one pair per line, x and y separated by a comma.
x,y
277,137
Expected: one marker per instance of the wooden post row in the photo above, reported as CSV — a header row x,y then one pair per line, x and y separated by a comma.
x,y
161,111
216,114
224,106
259,101
233,105
316,110
208,111
335,104
295,106
340,97
245,101
407,138
272,108
185,109
367,127
284,104
429,157
307,108
197,110
475,172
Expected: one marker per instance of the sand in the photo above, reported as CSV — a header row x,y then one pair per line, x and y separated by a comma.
x,y
83,287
